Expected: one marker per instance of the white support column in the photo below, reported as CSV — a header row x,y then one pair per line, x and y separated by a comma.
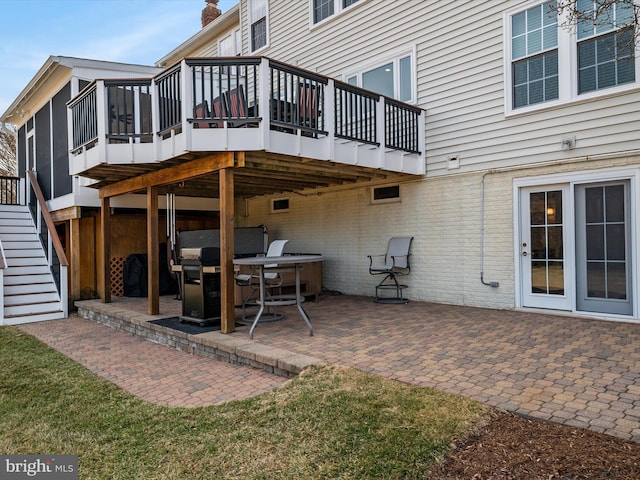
x,y
102,112
186,80
422,142
381,131
264,100
328,110
155,118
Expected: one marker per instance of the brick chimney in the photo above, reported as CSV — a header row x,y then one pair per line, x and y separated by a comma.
x,y
210,12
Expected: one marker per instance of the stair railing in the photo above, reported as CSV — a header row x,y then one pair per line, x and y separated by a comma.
x,y
42,211
3,265
9,190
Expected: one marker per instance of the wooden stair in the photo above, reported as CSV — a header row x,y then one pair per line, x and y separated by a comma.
x,y
30,293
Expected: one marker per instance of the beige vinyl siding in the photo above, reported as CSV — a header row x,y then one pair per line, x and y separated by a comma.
x,y
460,79
464,99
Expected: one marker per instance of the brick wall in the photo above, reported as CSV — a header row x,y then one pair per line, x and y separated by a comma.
x,y
442,213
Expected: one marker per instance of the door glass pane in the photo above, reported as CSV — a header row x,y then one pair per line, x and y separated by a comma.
x,y
554,243
539,277
594,204
595,279
615,242
536,205
616,280
547,243
556,278
554,208
538,243
615,203
606,239
595,242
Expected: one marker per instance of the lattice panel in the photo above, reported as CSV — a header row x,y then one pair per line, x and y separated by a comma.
x,y
117,276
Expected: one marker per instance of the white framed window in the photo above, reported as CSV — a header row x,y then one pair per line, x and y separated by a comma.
x,y
549,62
324,9
605,46
259,21
231,45
393,78
534,55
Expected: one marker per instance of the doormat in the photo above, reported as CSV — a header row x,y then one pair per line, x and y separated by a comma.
x,y
187,327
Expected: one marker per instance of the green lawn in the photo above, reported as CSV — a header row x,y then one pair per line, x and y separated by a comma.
x,y
329,422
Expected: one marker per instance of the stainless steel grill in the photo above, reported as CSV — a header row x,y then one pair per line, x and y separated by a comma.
x,y
200,289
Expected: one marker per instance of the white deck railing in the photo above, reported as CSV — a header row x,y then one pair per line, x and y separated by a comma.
x,y
242,104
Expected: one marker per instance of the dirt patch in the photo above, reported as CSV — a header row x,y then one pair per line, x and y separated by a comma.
x,y
514,448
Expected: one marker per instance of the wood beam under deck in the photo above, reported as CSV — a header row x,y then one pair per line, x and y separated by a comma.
x,y
177,173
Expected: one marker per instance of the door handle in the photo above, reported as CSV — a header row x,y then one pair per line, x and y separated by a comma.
x,y
524,254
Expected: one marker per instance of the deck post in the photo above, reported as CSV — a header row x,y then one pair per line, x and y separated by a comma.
x,y
74,258
105,228
227,216
153,250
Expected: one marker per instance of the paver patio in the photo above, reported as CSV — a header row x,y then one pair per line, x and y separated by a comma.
x,y
575,371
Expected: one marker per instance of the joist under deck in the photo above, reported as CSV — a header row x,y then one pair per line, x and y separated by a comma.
x,y
222,175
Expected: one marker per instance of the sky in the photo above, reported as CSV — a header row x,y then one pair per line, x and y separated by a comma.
x,y
128,31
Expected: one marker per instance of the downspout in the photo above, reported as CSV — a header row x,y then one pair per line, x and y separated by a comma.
x,y
490,284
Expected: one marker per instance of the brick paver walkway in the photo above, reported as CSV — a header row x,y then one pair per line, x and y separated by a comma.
x,y
575,371
153,372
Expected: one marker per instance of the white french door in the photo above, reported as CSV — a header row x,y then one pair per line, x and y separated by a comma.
x,y
544,264
576,247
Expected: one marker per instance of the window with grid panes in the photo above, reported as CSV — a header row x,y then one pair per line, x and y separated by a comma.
x,y
323,9
605,45
534,55
259,34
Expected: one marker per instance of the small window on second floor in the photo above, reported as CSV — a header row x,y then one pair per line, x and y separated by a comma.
x,y
230,46
323,9
259,27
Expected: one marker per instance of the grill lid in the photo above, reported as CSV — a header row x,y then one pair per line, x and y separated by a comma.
x,y
205,256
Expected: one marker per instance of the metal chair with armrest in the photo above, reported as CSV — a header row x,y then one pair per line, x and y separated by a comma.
x,y
393,264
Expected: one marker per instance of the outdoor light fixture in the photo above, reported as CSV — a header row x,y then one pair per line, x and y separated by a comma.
x,y
568,143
